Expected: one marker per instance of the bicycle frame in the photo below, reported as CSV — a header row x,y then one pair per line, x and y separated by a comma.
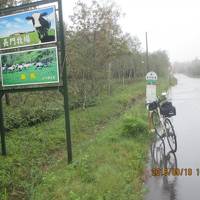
x,y
161,119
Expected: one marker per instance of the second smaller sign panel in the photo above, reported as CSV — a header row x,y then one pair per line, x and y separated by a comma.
x,y
30,67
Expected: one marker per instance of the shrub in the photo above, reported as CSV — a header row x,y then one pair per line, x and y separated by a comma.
x,y
134,126
29,116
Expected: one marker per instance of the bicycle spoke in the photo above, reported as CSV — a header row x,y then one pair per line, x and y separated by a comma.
x,y
171,137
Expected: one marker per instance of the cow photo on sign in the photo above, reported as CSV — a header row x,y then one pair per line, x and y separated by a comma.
x,y
30,67
28,28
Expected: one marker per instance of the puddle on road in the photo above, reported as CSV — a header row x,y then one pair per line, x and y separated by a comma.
x,y
184,183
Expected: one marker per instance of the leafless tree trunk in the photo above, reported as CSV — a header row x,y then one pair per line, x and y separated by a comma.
x,y
109,78
123,78
7,99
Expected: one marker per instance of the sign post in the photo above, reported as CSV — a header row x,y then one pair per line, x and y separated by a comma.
x,y
2,130
151,79
65,85
32,55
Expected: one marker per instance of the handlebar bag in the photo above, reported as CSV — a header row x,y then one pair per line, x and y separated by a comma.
x,y
152,106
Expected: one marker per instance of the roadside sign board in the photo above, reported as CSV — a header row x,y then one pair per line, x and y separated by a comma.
x,y
28,28
150,93
29,67
30,56
32,65
151,79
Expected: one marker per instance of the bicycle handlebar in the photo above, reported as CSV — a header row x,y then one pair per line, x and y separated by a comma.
x,y
158,101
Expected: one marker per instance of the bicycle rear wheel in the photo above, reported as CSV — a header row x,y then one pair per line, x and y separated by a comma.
x,y
171,136
158,152
170,164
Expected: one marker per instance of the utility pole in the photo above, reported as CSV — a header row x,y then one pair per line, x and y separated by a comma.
x,y
147,54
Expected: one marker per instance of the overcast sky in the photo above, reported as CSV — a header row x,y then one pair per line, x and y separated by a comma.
x,y
172,25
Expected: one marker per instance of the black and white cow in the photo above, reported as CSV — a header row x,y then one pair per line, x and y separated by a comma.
x,y
11,69
5,68
42,26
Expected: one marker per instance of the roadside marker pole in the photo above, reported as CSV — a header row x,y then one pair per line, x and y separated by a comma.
x,y
151,96
149,121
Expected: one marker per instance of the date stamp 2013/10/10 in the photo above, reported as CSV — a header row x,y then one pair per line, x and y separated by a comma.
x,y
175,172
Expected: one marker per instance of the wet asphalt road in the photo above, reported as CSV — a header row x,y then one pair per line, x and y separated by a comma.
x,y
186,98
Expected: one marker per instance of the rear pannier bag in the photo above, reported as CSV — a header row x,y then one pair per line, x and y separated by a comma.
x,y
153,106
167,109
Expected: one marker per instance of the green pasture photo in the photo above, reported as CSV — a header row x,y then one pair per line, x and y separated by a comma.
x,y
30,67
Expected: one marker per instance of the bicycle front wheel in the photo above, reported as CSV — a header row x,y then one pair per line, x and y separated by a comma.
x,y
156,123
171,136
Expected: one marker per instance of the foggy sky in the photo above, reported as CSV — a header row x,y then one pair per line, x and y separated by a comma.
x,y
172,25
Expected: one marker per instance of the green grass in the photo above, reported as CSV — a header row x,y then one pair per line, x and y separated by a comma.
x,y
31,75
110,166
108,163
34,39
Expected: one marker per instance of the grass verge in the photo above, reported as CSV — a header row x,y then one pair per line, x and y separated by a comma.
x,y
108,163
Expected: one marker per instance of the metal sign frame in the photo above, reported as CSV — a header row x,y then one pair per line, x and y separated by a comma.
x,y
62,87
